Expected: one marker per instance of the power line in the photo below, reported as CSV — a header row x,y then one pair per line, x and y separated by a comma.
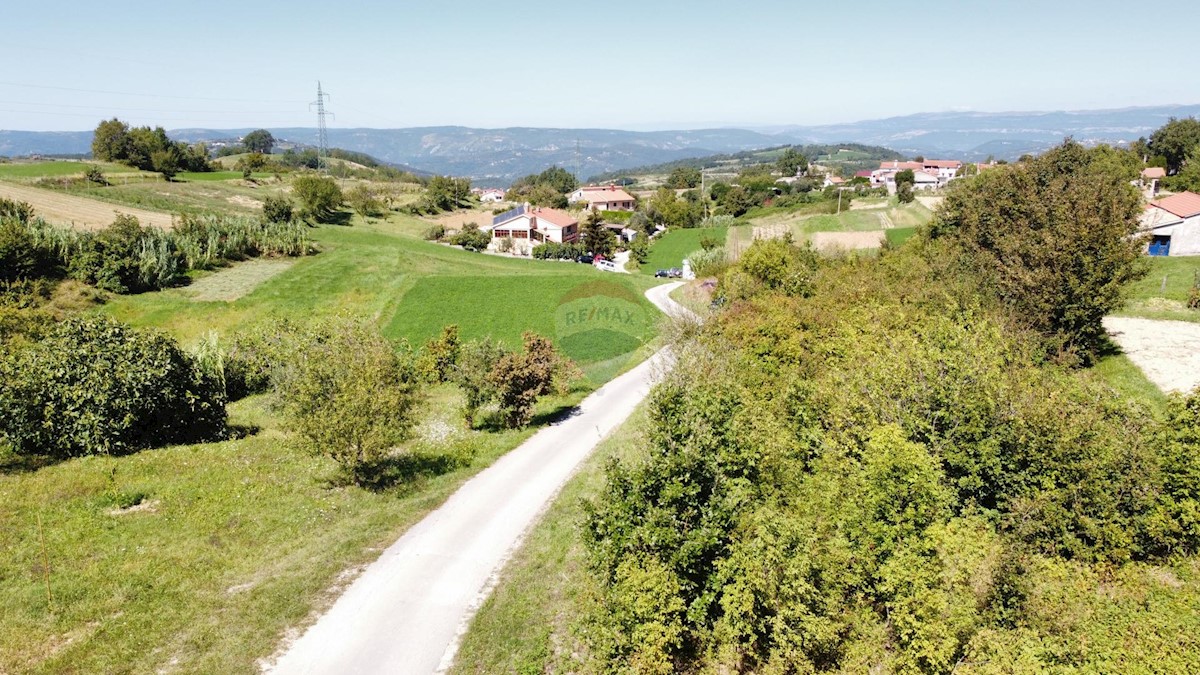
x,y
148,110
322,133
130,93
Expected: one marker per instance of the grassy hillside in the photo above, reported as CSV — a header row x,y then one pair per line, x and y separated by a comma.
x,y
1163,294
670,248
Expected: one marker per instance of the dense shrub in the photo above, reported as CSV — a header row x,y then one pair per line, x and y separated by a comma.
x,y
277,209
553,250
471,238
349,396
708,262
127,258
93,386
320,197
440,356
521,378
434,232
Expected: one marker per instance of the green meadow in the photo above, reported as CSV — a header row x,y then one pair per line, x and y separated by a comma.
x,y
670,248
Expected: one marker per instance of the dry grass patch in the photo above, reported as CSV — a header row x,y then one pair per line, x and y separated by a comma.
x,y
238,280
80,212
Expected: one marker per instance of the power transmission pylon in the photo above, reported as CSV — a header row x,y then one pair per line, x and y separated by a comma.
x,y
322,132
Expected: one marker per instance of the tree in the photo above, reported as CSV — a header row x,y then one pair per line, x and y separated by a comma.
x,y
364,200
259,140
596,236
350,397
110,142
905,176
904,193
684,177
320,197
472,372
668,209
165,162
520,379
471,238
1175,140
1054,240
791,163
440,356
446,193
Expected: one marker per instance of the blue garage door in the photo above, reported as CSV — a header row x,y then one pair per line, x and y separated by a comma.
x,y
1160,245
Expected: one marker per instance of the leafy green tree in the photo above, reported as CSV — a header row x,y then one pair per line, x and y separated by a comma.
x,y
904,193
596,236
639,248
165,162
471,238
24,256
472,372
667,209
440,356
771,265
521,378
684,177
350,397
791,162
1188,177
364,200
1175,140
446,193
110,142
1054,238
320,197
260,141
905,176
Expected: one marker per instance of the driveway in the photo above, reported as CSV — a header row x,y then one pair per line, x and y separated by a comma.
x,y
1168,352
408,610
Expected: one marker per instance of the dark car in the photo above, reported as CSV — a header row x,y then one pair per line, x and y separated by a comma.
x,y
666,274
585,259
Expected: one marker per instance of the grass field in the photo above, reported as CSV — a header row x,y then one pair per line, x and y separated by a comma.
x,y
670,248
1163,293
899,235
898,222
62,208
217,175
230,544
56,169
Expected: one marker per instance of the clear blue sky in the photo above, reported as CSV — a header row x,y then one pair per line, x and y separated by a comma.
x,y
617,64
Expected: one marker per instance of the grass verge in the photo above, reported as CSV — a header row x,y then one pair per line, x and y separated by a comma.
x,y
671,247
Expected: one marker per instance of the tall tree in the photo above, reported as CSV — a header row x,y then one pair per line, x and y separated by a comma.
x,y
791,162
1175,140
1054,240
110,142
259,140
596,236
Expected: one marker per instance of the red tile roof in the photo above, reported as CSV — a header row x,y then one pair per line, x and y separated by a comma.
x,y
943,163
553,216
605,194
1184,204
862,174
1154,172
900,166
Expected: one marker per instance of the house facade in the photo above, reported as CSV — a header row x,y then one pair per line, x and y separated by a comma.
x,y
530,226
942,172
1173,225
491,195
602,198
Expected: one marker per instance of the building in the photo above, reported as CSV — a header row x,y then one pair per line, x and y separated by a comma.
x,y
1150,178
491,195
942,170
602,198
530,226
833,181
1173,224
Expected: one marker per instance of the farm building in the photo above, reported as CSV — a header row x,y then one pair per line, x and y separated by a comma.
x,y
1173,224
603,198
491,195
942,171
529,226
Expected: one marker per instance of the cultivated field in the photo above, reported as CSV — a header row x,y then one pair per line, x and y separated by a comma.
x,y
237,280
77,211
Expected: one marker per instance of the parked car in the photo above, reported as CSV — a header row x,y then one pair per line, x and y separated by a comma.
x,y
675,273
586,259
607,266
663,274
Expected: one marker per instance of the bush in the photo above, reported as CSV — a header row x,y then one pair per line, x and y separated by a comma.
x,y
708,262
94,386
521,378
277,209
472,373
349,396
127,258
25,254
320,197
440,356
471,238
552,250
435,233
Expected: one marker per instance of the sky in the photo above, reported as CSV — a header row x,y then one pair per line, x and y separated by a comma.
x,y
642,65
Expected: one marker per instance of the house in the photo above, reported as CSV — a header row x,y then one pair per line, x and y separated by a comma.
x,y
602,198
1173,224
923,180
943,171
1151,175
491,195
836,181
530,226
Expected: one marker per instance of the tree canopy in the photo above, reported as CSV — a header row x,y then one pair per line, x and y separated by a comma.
x,y
259,140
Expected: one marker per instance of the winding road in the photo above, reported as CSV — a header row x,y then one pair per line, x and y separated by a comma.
x,y
408,610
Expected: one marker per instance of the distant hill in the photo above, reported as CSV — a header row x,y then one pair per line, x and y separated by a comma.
x,y
851,156
497,156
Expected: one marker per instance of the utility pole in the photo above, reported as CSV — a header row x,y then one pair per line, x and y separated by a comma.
x,y
322,132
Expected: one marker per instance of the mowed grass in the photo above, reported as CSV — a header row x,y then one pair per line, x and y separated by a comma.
x,y
205,176
231,545
897,236
671,247
56,169
526,626
1163,293
237,280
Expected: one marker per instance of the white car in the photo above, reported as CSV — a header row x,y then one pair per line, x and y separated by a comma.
x,y
607,266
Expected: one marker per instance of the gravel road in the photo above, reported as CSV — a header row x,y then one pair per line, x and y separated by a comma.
x,y
408,610
1168,352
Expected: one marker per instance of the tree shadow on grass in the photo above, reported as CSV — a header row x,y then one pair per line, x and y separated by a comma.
x,y
493,422
405,470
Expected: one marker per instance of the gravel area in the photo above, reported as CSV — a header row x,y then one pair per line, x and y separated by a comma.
x,y
1168,352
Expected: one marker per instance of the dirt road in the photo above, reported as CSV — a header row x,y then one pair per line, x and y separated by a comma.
x,y
408,610
88,214
1168,352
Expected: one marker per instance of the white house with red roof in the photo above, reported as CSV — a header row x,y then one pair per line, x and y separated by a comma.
x,y
1173,224
929,173
491,195
531,226
602,198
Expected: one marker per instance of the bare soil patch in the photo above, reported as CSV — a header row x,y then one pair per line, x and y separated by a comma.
x,y
847,241
238,280
79,212
1168,352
